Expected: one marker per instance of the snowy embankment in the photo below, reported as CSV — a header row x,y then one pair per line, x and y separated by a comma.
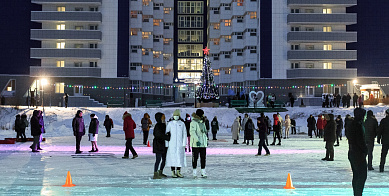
x,y
58,120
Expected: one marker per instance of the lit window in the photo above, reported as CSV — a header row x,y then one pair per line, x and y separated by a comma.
x,y
239,2
59,87
60,45
216,72
216,26
145,68
146,2
156,22
60,63
11,86
156,54
327,47
146,35
227,38
327,65
61,27
166,41
327,11
61,9
253,15
156,70
227,23
134,14
79,27
134,31
327,29
167,10
215,41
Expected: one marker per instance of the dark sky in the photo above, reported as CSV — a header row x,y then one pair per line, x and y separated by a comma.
x,y
372,45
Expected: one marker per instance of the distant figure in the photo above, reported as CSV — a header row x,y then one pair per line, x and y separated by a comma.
x,y
291,98
66,100
383,138
214,127
276,130
18,126
206,122
355,100
293,126
249,128
320,124
78,130
23,127
348,100
108,124
146,124
93,132
37,128
160,137
235,129
329,137
358,151
360,101
339,128
287,124
128,128
243,125
187,122
371,126
262,131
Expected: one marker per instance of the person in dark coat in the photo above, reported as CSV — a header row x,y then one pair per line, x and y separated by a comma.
x,y
78,129
355,100
187,122
348,100
339,128
344,100
262,131
93,132
128,128
160,136
357,151
383,138
24,126
66,100
293,126
214,127
146,124
18,126
347,123
36,130
108,124
206,121
329,137
291,99
249,128
371,126
338,98
311,124
276,130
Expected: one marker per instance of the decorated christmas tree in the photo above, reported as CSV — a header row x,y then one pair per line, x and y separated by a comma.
x,y
208,91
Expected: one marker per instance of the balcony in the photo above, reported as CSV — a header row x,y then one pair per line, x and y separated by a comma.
x,y
301,18
40,16
92,72
346,3
321,73
89,2
47,34
313,37
318,55
83,53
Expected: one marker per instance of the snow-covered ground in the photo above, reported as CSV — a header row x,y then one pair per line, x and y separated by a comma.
x,y
232,169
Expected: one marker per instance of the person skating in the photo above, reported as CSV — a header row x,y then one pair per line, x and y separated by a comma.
x,y
214,127
243,125
339,127
108,124
287,124
383,138
358,151
320,124
311,124
159,148
78,129
262,131
198,142
329,137
128,128
36,130
371,126
23,126
235,129
146,124
93,132
249,128
18,126
276,130
187,122
175,156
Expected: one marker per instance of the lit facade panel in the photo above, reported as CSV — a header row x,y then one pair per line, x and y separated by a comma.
x,y
346,3
41,16
339,18
48,34
321,73
98,2
346,55
84,53
36,71
346,37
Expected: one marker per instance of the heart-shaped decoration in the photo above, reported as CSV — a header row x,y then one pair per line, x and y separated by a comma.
x,y
256,96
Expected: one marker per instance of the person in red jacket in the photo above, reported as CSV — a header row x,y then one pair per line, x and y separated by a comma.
x,y
128,128
320,124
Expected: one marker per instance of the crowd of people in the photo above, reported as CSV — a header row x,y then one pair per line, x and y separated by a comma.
x,y
331,100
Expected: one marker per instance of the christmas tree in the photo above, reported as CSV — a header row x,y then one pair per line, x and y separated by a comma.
x,y
208,91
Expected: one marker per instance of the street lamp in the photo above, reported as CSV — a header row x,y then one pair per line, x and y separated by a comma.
x,y
43,83
195,85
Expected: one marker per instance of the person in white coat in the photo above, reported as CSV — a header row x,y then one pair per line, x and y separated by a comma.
x,y
287,126
175,156
235,129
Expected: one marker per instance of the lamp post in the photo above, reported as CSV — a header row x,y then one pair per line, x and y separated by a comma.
x,y
43,83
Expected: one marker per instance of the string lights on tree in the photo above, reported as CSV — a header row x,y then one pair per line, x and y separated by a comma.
x,y
208,91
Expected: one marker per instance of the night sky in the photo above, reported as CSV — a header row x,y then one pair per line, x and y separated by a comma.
x,y
372,45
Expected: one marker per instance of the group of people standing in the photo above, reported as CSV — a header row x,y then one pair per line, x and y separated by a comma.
x,y
330,100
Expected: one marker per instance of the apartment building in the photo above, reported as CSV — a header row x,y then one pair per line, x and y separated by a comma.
x,y
119,51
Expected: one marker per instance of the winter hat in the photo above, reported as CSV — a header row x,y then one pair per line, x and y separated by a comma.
x,y
359,113
177,113
199,112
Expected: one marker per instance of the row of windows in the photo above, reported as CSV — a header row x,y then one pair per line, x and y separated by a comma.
x,y
61,63
297,28
77,9
310,47
150,88
61,45
91,27
310,11
296,65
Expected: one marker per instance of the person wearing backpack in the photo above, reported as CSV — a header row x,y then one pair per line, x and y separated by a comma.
x,y
249,128
108,124
146,124
214,127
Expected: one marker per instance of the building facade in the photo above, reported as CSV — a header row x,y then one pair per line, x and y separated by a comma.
x,y
122,52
